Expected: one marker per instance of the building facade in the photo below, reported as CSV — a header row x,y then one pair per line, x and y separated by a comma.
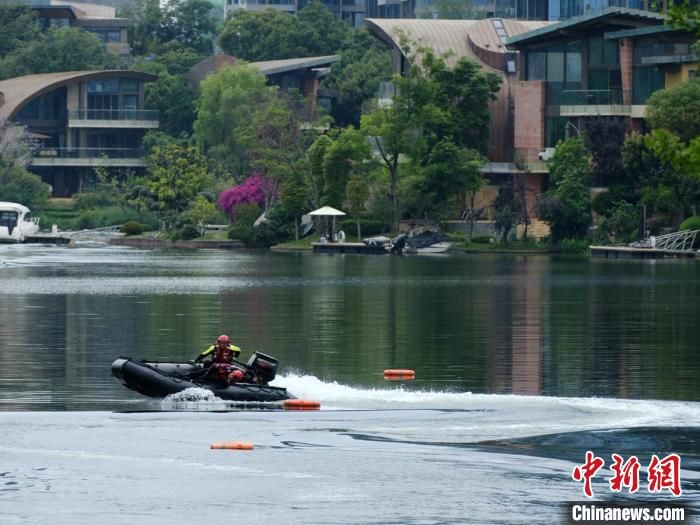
x,y
350,11
552,10
100,20
80,120
604,65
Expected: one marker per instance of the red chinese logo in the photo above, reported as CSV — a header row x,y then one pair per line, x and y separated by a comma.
x,y
626,474
665,474
662,473
587,471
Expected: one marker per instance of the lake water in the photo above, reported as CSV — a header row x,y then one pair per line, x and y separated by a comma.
x,y
522,365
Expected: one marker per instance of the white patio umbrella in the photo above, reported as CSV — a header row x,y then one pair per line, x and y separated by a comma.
x,y
327,211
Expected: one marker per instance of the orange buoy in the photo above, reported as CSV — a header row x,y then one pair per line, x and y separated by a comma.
x,y
301,404
399,374
232,445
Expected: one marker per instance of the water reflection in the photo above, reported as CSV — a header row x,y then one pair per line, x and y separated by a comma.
x,y
499,324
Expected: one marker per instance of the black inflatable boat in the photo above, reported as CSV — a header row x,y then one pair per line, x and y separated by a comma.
x,y
162,379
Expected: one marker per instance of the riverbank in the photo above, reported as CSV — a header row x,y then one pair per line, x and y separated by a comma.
x,y
152,243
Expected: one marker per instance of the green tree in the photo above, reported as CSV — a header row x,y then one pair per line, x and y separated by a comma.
x,y
271,35
172,96
357,196
190,22
20,26
450,173
202,212
364,64
604,137
344,158
677,190
566,206
294,194
314,157
178,58
227,103
176,175
686,14
146,19
18,185
65,49
676,109
156,25
434,105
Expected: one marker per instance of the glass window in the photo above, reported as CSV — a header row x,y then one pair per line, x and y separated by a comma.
x,y
573,68
646,81
595,50
109,85
130,101
555,66
536,65
129,85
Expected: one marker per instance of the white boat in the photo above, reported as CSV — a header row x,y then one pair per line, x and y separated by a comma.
x,y
16,222
438,247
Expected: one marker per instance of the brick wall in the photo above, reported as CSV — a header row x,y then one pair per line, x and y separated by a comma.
x,y
626,69
529,119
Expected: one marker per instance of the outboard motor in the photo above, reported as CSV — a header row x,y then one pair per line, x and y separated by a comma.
x,y
263,366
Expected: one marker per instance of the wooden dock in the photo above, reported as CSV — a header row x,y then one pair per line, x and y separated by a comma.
x,y
627,252
47,239
348,247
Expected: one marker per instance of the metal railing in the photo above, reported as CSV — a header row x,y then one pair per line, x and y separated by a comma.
x,y
88,153
591,97
683,240
113,114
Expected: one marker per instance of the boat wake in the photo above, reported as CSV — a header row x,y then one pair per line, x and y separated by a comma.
x,y
473,416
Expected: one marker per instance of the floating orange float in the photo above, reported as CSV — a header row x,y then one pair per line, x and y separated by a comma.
x,y
232,445
301,404
399,374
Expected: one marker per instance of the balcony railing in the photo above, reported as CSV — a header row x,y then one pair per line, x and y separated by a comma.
x,y
113,114
591,97
88,153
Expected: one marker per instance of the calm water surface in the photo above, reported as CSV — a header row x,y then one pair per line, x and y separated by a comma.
x,y
483,324
523,364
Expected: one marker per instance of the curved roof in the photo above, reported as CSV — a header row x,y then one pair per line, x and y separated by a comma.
x,y
450,36
17,92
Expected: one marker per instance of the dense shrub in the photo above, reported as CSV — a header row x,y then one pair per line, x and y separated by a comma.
x,y
573,246
99,218
188,232
277,228
691,223
132,228
482,239
367,226
18,185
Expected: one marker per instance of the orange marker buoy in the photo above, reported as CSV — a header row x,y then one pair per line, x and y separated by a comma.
x,y
301,404
232,445
399,374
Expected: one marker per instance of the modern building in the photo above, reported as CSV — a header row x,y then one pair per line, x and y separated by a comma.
x,y
300,74
552,10
604,65
350,11
95,18
81,120
482,41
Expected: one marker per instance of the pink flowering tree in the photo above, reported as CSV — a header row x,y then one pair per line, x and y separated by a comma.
x,y
256,189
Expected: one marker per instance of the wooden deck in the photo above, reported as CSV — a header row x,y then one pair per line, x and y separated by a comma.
x,y
47,239
626,252
348,247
